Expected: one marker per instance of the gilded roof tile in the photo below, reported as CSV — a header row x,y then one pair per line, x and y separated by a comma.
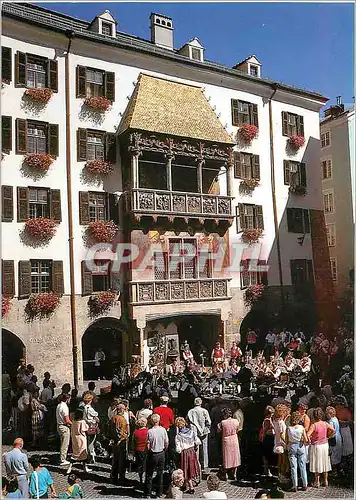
x,y
171,108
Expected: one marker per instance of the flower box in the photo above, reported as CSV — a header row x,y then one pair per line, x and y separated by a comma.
x,y
253,293
248,132
101,302
39,95
295,142
41,305
38,161
103,231
98,103
5,305
249,184
300,190
99,167
41,228
251,235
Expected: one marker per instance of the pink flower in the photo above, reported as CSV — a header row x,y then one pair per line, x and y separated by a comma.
x,y
5,305
38,161
253,293
98,103
40,95
251,235
41,305
41,228
296,141
101,302
99,167
248,132
103,231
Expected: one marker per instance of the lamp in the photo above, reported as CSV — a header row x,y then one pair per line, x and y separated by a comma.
x,y
301,239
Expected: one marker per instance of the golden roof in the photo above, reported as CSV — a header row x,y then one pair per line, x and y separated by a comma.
x,y
172,108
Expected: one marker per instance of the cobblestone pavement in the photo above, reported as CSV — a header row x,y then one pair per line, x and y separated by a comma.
x,y
96,484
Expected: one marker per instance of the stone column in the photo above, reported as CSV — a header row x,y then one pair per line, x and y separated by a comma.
x,y
228,167
134,169
141,324
169,171
200,176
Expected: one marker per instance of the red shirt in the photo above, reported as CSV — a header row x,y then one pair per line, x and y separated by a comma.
x,y
140,439
166,414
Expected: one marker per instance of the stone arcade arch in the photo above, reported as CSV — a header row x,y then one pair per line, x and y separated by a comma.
x,y
13,349
111,335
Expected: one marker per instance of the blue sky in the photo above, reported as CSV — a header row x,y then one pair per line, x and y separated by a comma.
x,y
309,45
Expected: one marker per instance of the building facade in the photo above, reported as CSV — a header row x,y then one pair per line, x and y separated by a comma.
x,y
337,131
128,145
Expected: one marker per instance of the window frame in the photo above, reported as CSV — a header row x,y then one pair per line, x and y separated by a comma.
x,y
255,68
323,136
95,207
328,169
104,25
40,288
94,146
331,235
36,61
98,89
329,192
39,126
43,213
333,269
243,223
236,113
289,129
292,220
255,277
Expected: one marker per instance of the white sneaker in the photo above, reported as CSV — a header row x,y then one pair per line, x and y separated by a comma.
x,y
69,470
86,469
65,462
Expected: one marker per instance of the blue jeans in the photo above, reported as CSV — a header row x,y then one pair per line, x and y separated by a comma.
x,y
297,458
23,485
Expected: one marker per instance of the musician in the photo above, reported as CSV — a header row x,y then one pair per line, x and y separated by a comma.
x,y
289,362
305,363
218,354
201,352
175,368
235,351
186,352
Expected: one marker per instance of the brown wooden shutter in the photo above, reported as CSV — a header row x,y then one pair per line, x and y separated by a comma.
x,y
8,278
21,136
259,216
110,147
235,111
303,175
253,111
52,143
7,203
263,274
57,277
306,221
293,272
55,207
81,81
24,279
109,82
52,75
6,134
256,167
284,123
300,125
245,274
240,217
20,69
87,280
23,208
286,170
310,271
84,207
6,63
82,135
237,165
290,220
113,208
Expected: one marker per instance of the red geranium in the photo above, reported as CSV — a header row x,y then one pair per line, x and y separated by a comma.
x,y
249,184
99,167
251,235
296,141
39,161
5,305
41,305
40,95
101,302
253,293
41,228
98,103
248,132
103,231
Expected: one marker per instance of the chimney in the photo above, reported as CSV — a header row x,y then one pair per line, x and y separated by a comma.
x,y
162,31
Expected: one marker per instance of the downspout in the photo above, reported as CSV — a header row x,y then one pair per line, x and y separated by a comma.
x,y
274,203
70,36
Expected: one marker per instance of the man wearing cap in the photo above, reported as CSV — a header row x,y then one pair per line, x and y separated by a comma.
x,y
166,414
200,418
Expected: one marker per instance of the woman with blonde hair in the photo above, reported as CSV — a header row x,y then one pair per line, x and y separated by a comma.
x,y
335,443
279,426
92,420
319,460
187,443
296,439
139,439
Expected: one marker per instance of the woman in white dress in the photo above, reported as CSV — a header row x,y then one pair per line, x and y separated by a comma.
x,y
319,460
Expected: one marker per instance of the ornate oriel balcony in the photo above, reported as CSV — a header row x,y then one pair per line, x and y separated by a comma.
x,y
147,292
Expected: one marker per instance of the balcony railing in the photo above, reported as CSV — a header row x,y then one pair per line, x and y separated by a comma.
x,y
147,292
157,202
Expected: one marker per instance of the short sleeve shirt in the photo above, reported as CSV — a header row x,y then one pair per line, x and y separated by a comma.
x,y
62,411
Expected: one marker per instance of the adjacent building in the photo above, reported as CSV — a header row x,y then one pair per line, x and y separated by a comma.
x,y
123,141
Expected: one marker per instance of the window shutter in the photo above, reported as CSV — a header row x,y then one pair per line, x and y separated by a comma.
x,y
310,271
23,208
259,216
6,63
253,109
290,220
84,207
82,135
286,169
110,147
52,144
57,277
113,208
239,216
300,125
256,167
21,136
52,75
87,280
263,274
306,221
24,279
245,275
237,165
81,81
293,272
56,212
284,123
7,203
109,82
20,69
8,278
235,111
6,134
303,175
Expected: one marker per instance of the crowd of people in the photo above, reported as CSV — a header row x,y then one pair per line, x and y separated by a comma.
x,y
287,433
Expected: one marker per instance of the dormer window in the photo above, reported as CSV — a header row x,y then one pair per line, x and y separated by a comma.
x,y
253,70
196,54
106,29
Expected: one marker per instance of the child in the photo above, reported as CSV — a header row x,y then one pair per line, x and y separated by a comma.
x,y
40,479
73,490
175,489
10,488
